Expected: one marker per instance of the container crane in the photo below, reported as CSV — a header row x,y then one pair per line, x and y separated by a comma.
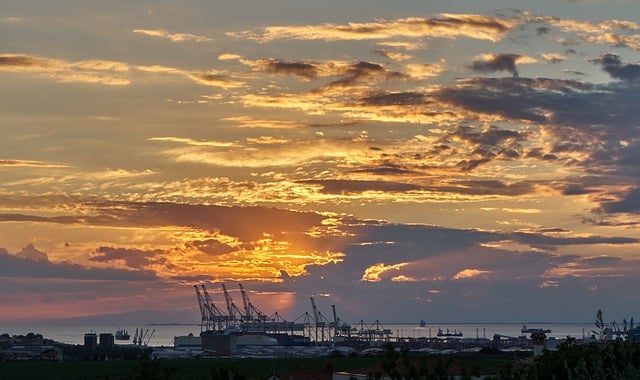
x,y
146,341
245,302
316,314
231,307
229,302
251,312
135,337
318,319
204,314
339,326
217,319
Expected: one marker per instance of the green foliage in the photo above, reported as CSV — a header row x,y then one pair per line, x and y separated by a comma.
x,y
398,365
223,373
615,360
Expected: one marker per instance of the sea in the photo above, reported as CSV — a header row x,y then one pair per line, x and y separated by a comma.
x,y
161,335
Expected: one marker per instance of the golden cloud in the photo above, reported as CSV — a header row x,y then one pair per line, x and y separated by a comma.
x,y
374,272
229,57
471,273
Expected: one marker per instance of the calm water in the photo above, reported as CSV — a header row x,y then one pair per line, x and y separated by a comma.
x,y
163,334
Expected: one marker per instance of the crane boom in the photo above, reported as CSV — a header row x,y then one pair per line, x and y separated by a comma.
x,y
135,336
217,318
335,316
228,300
146,342
316,314
204,314
245,302
213,309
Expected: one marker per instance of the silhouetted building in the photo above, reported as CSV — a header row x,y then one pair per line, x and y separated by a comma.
x,y
106,340
218,344
90,341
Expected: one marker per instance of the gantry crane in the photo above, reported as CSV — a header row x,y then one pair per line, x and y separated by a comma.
x,y
252,314
217,319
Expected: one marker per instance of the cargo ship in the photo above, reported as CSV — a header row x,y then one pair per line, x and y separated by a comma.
x,y
122,334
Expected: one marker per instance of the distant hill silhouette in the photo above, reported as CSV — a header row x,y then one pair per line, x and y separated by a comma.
x,y
130,318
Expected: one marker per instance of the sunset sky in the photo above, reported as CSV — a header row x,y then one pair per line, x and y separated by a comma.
x,y
465,161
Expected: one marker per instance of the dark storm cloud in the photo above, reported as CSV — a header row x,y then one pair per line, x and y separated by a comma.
x,y
394,98
245,223
540,154
541,30
479,187
612,64
16,266
362,71
575,72
576,189
628,203
497,62
133,258
472,164
552,242
275,66
604,128
32,253
386,168
508,97
486,187
434,256
214,79
488,144
35,218
351,186
212,247
598,262
490,137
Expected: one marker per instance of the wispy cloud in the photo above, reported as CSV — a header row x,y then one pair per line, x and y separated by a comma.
x,y
88,71
173,37
619,33
194,142
207,78
27,163
395,56
445,26
250,122
11,20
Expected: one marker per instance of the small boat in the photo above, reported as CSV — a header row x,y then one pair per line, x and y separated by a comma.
x,y
122,334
